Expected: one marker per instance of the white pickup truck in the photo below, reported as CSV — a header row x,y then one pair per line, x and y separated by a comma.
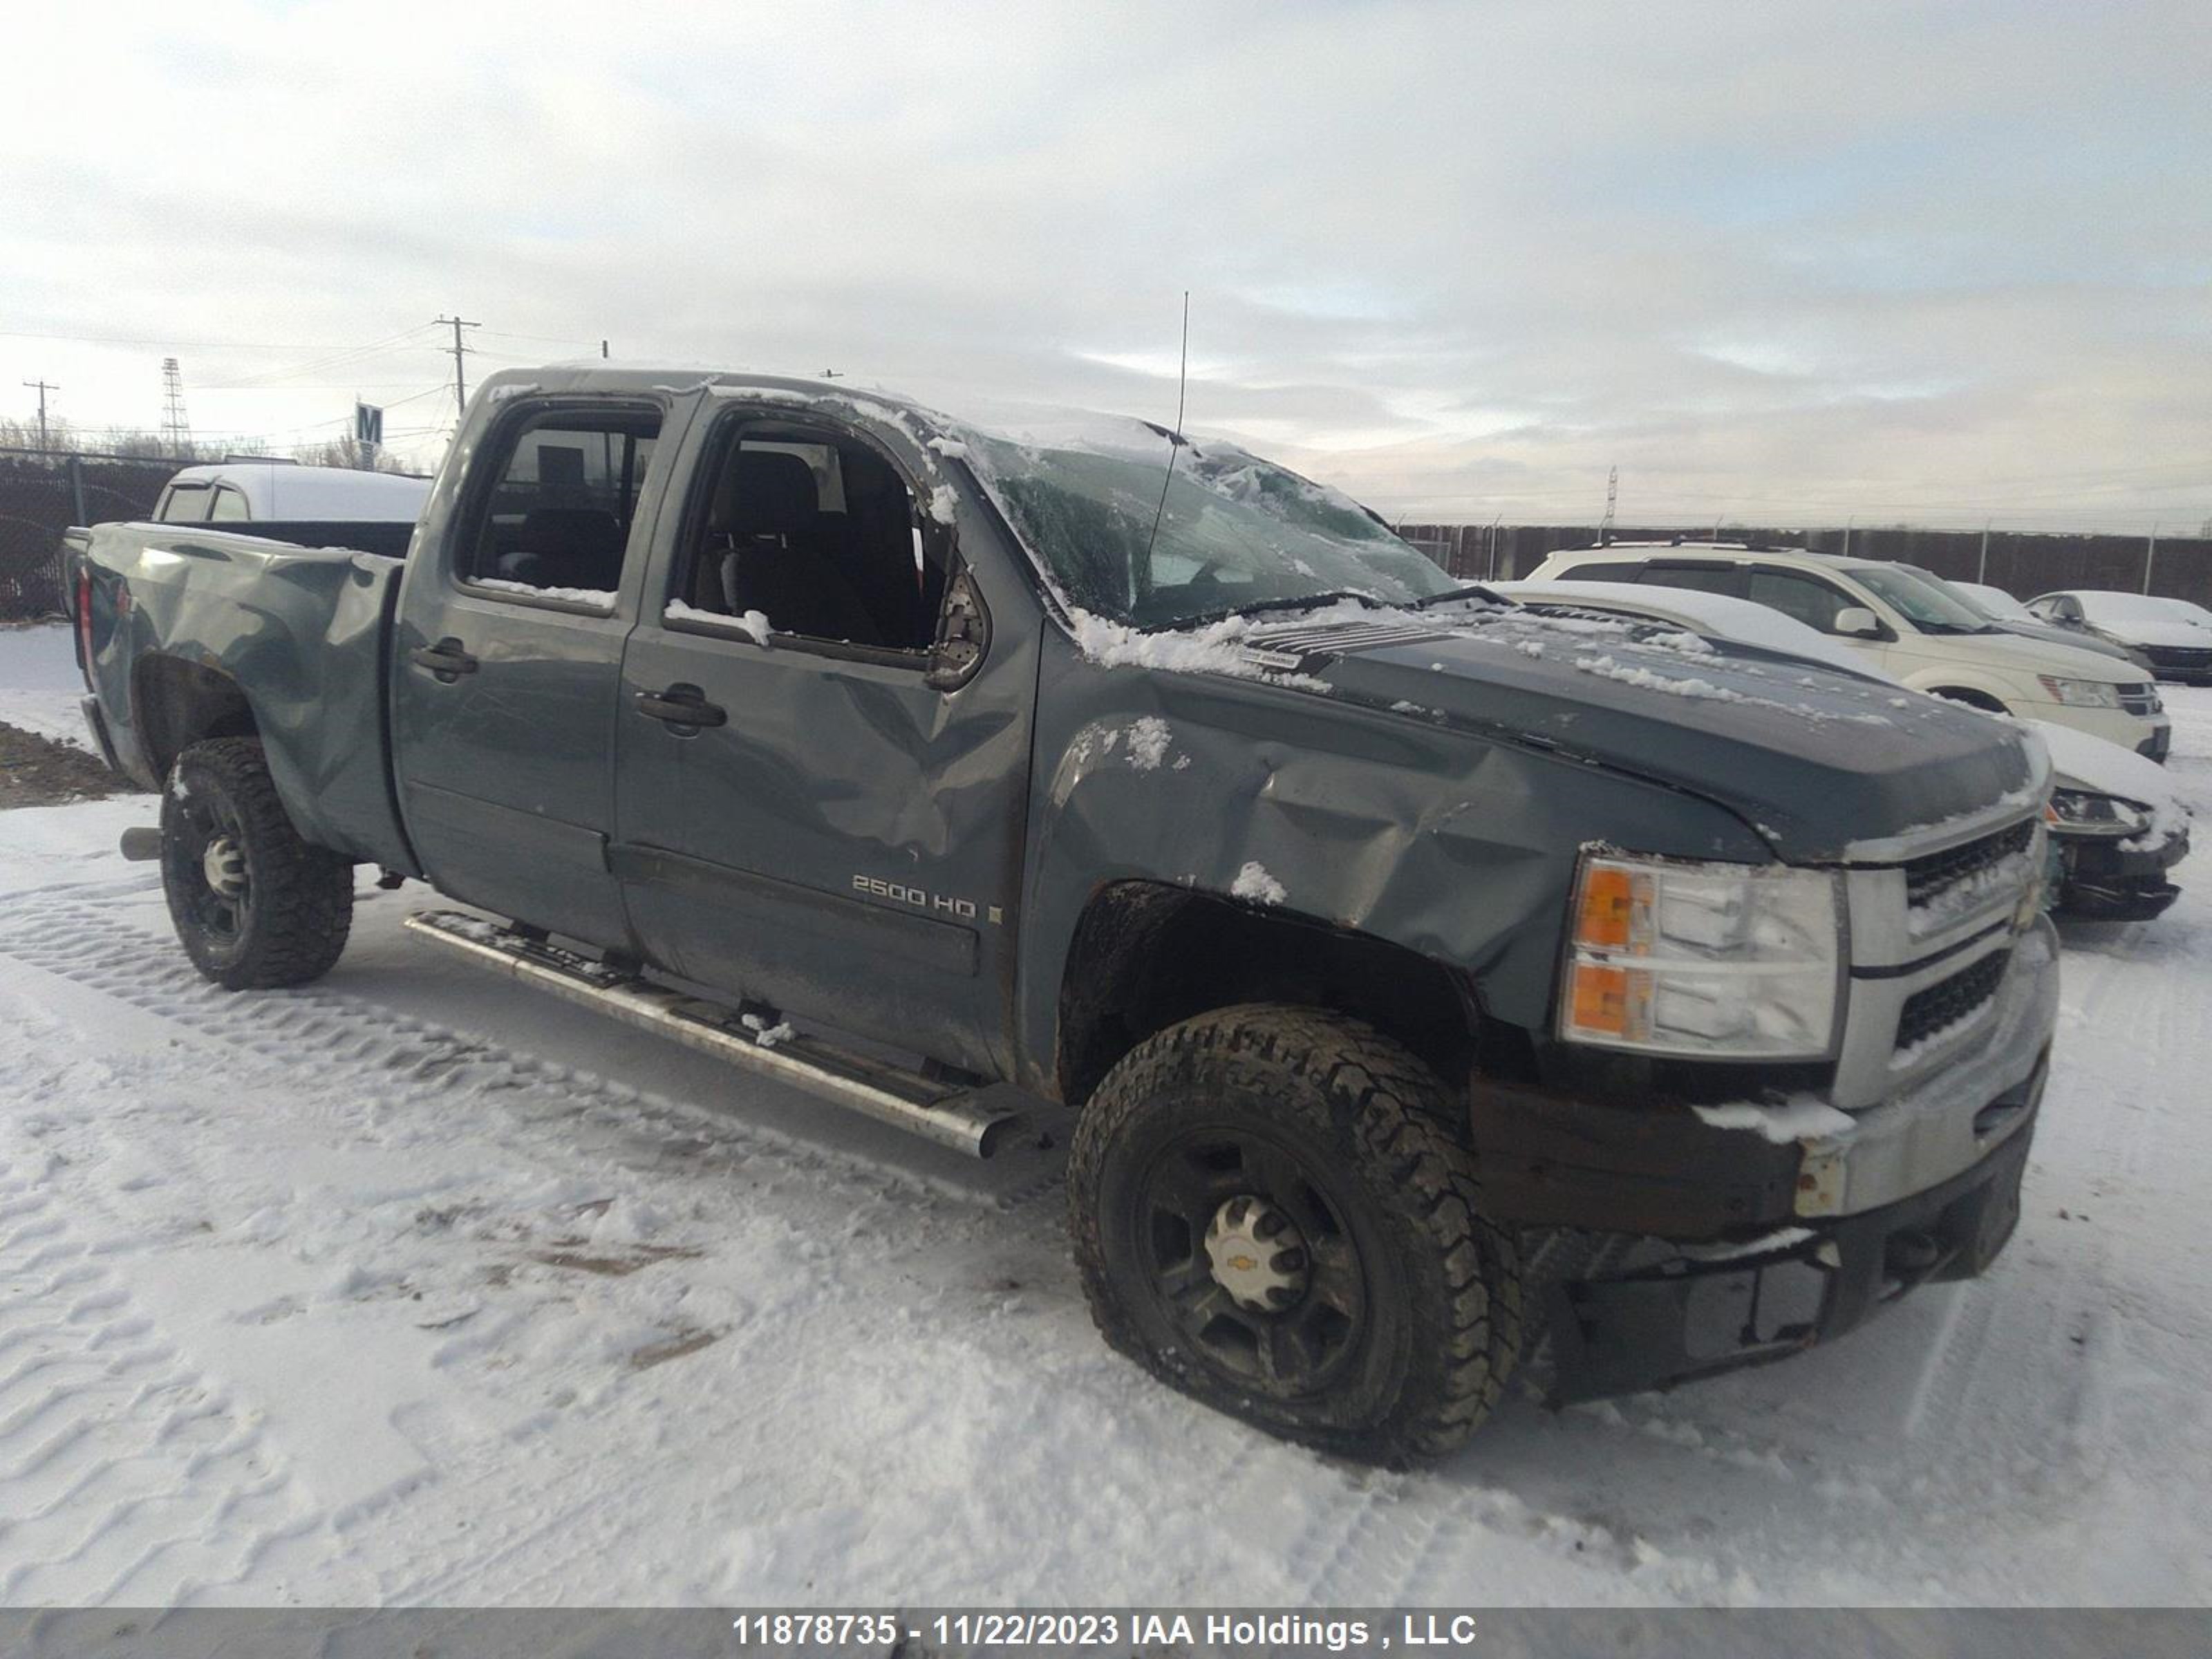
x,y
260,491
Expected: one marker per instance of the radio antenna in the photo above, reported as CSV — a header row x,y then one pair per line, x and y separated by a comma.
x,y
1175,438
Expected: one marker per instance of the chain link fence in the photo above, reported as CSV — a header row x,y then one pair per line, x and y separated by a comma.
x,y
2022,562
42,493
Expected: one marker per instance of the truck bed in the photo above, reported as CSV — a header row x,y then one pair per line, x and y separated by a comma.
x,y
300,636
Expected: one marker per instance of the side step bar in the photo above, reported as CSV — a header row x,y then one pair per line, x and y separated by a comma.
x,y
974,1121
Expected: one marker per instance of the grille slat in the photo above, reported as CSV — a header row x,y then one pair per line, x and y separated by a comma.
x,y
2195,658
1928,875
1947,1001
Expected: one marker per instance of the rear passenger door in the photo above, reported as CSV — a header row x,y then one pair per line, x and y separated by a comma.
x,y
509,659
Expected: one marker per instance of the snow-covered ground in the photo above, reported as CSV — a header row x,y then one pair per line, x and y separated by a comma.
x,y
416,1286
39,685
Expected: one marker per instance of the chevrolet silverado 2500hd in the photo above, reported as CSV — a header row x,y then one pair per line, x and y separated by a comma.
x,y
1417,969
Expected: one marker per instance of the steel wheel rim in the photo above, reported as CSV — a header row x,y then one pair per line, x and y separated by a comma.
x,y
1288,1348
196,830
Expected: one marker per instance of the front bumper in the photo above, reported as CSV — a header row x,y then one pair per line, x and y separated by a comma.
x,y
2179,662
2102,880
2130,730
1690,1315
1623,1164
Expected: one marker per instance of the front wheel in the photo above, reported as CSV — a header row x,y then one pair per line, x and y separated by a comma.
x,y
1269,1216
254,905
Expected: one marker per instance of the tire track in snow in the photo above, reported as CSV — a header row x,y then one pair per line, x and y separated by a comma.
x,y
126,1474
647,1131
377,1076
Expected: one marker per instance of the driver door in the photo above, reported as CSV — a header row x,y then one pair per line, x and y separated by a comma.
x,y
820,803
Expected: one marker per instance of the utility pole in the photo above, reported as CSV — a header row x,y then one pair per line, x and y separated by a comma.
x,y
1982,566
1612,494
44,387
174,427
460,381
2150,556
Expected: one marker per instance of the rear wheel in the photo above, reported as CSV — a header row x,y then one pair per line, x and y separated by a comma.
x,y
1269,1216
255,907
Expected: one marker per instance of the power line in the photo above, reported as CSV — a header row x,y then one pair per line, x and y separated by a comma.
x,y
186,345
338,359
460,385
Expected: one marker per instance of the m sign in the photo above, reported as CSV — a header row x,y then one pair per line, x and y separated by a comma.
x,y
368,424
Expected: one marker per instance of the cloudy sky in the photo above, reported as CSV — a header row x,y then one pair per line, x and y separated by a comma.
x,y
1778,263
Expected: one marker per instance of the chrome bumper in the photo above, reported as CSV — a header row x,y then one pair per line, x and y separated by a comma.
x,y
1944,1116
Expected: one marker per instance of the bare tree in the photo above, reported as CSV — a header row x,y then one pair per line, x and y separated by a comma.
x,y
347,452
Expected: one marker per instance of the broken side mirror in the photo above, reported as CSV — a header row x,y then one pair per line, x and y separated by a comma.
x,y
964,632
1856,622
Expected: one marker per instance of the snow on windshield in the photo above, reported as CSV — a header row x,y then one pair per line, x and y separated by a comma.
x,y
1233,530
1992,601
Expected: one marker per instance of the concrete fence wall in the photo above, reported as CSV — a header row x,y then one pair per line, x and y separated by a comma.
x,y
2023,562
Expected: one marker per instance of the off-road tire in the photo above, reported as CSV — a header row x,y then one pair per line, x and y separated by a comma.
x,y
292,924
1442,1325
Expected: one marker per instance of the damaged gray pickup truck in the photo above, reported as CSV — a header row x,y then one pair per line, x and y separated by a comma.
x,y
1433,984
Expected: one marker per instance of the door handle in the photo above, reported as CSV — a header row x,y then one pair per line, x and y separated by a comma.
x,y
446,659
682,706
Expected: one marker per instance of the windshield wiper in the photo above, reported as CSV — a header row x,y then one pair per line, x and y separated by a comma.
x,y
1299,602
1472,591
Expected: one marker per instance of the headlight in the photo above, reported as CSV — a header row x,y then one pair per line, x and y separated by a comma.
x,y
2083,812
1722,961
2081,694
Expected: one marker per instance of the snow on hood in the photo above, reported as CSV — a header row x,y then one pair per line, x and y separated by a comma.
x,y
1817,761
1717,615
2082,760
2154,630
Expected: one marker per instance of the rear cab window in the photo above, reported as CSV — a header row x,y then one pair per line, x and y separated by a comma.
x,y
185,503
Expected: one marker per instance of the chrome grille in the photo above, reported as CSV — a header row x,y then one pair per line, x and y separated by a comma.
x,y
2139,699
1926,877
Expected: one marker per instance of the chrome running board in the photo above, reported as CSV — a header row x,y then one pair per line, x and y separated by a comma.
x,y
974,1121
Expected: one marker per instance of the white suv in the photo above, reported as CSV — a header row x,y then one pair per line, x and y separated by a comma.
x,y
1907,626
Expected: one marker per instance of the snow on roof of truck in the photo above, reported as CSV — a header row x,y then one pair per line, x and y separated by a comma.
x,y
284,491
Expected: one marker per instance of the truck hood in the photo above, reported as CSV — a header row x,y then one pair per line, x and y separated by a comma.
x,y
1814,761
